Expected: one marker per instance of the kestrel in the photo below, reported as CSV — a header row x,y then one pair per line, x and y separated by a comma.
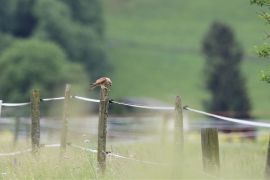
x,y
103,82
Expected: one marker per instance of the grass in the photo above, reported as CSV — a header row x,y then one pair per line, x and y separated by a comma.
x,y
155,48
239,160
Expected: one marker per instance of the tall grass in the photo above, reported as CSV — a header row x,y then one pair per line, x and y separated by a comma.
x,y
239,160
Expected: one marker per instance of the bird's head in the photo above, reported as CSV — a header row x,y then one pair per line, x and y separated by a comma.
x,y
109,82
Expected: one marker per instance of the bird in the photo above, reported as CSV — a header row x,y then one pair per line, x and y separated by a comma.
x,y
103,82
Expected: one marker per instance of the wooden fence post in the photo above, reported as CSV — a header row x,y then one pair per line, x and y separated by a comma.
x,y
16,131
210,150
35,116
178,125
1,107
267,166
102,129
65,118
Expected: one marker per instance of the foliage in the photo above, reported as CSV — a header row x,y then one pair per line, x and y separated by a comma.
x,y
260,2
166,38
76,26
17,17
78,33
87,13
7,9
264,50
223,77
29,64
5,41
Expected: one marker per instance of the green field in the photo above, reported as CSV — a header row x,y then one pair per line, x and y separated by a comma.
x,y
238,160
154,46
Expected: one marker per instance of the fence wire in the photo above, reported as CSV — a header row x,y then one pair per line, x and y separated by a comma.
x,y
86,99
110,154
239,121
169,108
143,106
53,99
15,153
27,150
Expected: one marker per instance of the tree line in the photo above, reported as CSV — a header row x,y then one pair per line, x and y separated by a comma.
x,y
47,43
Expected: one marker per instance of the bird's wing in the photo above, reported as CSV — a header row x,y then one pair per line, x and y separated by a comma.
x,y
101,80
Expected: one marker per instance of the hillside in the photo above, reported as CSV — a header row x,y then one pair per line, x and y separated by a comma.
x,y
155,48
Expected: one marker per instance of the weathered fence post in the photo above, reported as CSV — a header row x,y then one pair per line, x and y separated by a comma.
x,y
65,118
178,125
210,150
1,107
16,131
178,140
267,166
35,116
102,129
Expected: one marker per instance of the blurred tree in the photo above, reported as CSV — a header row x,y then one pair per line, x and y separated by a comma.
x,y
77,29
87,12
76,26
24,21
223,77
16,17
7,10
5,41
29,64
264,50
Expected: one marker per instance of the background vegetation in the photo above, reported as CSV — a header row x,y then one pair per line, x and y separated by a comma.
x,y
45,44
224,79
155,48
148,48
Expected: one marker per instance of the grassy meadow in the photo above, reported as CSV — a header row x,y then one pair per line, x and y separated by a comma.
x,y
239,160
155,48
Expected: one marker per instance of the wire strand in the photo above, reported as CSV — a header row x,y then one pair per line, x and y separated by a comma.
x,y
239,121
143,106
53,99
15,104
86,99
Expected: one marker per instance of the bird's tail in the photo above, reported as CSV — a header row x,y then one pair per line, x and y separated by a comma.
x,y
92,86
